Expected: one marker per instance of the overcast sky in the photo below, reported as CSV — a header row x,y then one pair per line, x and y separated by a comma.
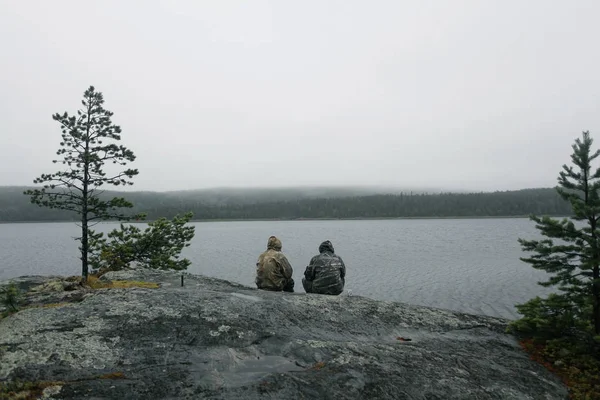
x,y
455,94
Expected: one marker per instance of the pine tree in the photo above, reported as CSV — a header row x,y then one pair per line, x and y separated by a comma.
x,y
571,252
88,144
159,246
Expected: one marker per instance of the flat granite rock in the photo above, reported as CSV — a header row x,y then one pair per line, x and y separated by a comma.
x,y
212,339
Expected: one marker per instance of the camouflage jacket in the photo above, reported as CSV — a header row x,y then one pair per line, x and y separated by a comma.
x,y
326,273
273,270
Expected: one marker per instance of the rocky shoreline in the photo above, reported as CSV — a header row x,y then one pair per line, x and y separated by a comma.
x,y
212,339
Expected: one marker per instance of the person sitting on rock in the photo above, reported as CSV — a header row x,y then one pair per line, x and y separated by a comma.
x,y
326,272
273,270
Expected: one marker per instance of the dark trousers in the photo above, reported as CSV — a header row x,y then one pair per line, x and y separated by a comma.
x,y
289,287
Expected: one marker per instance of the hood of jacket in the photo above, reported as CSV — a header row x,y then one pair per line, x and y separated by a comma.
x,y
326,246
274,244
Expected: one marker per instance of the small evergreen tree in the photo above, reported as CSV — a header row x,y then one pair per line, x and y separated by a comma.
x,y
10,297
159,246
571,252
88,144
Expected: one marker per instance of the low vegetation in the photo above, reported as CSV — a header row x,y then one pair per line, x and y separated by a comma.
x,y
571,361
17,390
22,390
95,283
562,331
10,296
318,366
5,314
113,375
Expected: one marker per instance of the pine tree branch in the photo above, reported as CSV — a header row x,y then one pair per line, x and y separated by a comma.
x,y
61,194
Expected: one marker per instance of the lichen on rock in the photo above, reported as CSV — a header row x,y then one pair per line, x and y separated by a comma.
x,y
215,339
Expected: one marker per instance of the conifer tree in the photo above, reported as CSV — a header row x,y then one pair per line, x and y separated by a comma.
x,y
159,246
571,251
87,148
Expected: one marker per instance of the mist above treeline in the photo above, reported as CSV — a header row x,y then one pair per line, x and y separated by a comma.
x,y
305,203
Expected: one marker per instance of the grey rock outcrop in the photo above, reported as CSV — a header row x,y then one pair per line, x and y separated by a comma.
x,y
212,339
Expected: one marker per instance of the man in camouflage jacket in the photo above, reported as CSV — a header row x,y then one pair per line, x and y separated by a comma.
x,y
273,270
326,272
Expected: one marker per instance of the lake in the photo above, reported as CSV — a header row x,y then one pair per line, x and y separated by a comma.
x,y
469,265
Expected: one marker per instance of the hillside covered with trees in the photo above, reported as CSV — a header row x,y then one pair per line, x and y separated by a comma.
x,y
299,203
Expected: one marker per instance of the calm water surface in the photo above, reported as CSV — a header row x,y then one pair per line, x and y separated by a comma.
x,y
469,265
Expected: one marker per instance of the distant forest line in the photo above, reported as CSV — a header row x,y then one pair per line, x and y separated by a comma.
x,y
249,204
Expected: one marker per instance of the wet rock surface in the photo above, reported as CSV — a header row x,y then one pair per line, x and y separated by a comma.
x,y
217,340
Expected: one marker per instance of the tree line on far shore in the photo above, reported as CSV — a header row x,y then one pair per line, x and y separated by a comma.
x,y
14,207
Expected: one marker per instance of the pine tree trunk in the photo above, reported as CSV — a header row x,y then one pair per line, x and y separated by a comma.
x,y
84,198
596,299
84,228
84,247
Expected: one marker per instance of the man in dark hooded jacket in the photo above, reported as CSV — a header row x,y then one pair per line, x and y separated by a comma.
x,y
326,272
273,270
